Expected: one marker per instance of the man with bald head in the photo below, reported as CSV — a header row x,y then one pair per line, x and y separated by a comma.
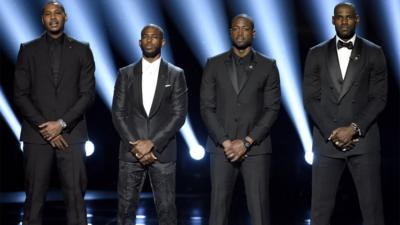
x,y
239,102
54,86
149,107
345,88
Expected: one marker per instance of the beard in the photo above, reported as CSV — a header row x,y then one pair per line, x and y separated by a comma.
x,y
151,54
241,46
345,35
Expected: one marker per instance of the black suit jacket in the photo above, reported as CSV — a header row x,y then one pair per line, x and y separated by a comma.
x,y
167,113
332,102
232,111
39,99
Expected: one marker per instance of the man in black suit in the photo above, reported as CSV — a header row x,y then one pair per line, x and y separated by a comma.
x,y
345,88
54,86
149,107
239,101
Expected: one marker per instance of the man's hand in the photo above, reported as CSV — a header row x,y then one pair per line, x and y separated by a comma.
x,y
350,145
59,142
148,159
236,150
50,129
226,144
342,136
141,147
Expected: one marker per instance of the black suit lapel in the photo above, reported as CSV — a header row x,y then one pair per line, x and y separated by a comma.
x,y
231,68
137,87
249,70
334,67
161,81
355,63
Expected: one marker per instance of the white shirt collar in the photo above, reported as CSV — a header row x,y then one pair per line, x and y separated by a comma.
x,y
147,65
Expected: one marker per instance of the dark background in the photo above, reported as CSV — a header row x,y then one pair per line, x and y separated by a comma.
x,y
290,174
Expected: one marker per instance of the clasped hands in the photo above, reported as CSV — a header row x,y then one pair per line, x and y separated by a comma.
x,y
51,132
344,138
142,150
234,150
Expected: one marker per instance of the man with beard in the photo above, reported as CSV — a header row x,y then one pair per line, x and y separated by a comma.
x,y
345,88
149,107
239,102
54,86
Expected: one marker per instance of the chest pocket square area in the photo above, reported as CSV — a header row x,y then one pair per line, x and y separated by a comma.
x,y
168,85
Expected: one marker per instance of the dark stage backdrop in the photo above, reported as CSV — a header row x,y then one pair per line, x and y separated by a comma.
x,y
291,175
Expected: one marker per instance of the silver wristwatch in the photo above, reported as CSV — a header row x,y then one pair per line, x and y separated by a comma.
x,y
62,123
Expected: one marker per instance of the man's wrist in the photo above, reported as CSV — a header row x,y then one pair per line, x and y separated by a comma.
x,y
247,144
356,129
62,123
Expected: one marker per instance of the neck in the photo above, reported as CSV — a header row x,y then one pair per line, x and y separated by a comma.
x,y
151,59
241,52
55,36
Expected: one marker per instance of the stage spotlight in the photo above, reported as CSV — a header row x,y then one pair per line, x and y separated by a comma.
x,y
203,25
14,32
89,148
16,29
392,16
197,152
9,116
275,37
83,24
195,149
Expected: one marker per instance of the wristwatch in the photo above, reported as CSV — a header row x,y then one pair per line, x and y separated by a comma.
x,y
62,123
356,128
247,144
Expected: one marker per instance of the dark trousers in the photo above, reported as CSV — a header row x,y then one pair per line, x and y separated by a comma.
x,y
365,170
38,160
130,182
255,173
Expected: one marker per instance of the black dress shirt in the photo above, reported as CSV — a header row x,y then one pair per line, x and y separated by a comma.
x,y
55,53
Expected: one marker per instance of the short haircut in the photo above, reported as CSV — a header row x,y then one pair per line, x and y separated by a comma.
x,y
348,4
244,16
153,26
54,2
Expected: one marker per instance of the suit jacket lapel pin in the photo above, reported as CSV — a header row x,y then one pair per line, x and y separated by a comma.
x,y
355,58
250,67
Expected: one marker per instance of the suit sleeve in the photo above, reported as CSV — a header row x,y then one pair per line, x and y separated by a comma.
x,y
377,94
86,91
271,106
208,105
179,107
312,95
119,111
22,91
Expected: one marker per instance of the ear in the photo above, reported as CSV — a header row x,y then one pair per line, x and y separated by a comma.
x,y
333,20
66,18
163,43
357,19
42,20
254,33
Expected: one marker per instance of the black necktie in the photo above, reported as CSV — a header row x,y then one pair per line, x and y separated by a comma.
x,y
342,44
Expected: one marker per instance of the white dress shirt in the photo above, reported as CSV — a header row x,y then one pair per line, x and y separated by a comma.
x,y
344,55
149,82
